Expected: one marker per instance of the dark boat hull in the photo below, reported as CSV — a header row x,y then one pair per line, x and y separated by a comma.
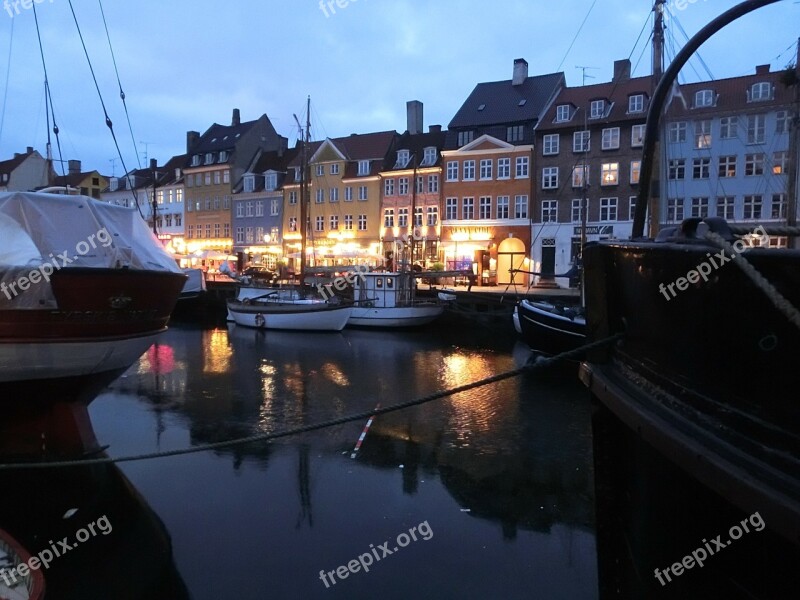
x,y
546,331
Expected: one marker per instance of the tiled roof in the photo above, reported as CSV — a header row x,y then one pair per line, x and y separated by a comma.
x,y
8,166
221,137
73,179
416,144
168,170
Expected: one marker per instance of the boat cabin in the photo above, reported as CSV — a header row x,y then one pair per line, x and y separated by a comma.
x,y
383,290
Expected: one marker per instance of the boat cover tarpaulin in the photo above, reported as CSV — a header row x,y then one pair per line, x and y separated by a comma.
x,y
42,233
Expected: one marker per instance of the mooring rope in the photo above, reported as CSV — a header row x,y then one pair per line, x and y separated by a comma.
x,y
263,437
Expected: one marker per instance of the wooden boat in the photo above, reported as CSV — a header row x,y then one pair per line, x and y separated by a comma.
x,y
309,314
14,586
550,328
388,300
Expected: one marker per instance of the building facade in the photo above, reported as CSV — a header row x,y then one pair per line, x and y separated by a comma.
x,y
170,205
26,171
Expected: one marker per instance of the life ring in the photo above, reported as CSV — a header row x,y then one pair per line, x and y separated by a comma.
x,y
260,320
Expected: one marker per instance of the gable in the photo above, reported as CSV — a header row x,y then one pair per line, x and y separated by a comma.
x,y
487,142
327,152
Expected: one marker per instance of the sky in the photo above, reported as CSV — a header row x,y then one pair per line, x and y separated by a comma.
x,y
185,64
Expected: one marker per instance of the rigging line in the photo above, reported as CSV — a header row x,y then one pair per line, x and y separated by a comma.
x,y
644,49
8,74
575,39
697,54
121,92
109,124
48,96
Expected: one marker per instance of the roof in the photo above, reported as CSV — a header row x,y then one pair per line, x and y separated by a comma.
x,y
373,147
221,137
167,171
8,166
416,144
74,179
503,103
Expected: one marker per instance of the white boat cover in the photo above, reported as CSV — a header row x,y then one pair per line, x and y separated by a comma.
x,y
41,233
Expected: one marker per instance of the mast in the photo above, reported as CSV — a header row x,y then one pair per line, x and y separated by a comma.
x,y
658,71
413,212
793,182
304,189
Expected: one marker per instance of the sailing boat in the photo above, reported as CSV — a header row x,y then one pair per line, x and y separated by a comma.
x,y
293,309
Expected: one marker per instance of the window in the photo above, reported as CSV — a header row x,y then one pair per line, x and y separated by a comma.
x,y
521,207
580,176
677,132
576,209
726,207
388,217
522,167
298,173
752,207
610,140
240,210
608,209
402,186
486,168
273,235
259,233
782,121
198,179
675,209
562,113
756,129
418,216
465,137
292,197
760,91
550,143
333,195
485,207
452,170
468,208
610,174
677,169
503,168
209,158
780,162
239,235
701,168
549,211
292,223
704,98
469,170
335,169
428,156
637,136
319,224
636,103
402,159
581,141
247,238
699,207
348,222
631,208
597,109
727,166
549,178
451,209
363,167
320,170
502,207
515,133
348,194
636,171
320,197
702,134
433,184
226,230
433,216
223,156
226,177
196,160
179,195
388,187
249,211
216,202
753,164
402,217
362,222
778,207
208,178
217,177
270,181
728,127
362,193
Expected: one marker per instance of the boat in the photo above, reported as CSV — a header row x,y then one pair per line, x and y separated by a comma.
x,y
386,299
550,328
295,308
85,289
17,587
696,403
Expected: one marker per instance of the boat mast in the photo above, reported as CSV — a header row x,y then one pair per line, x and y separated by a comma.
x,y
658,72
304,189
413,212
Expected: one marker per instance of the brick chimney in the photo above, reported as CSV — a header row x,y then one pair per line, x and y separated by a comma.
x,y
29,150
236,120
622,70
762,69
153,164
435,129
414,117
74,167
520,71
192,137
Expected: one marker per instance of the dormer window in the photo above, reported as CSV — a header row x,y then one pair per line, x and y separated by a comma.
x,y
704,98
177,173
597,109
562,113
209,158
363,167
402,159
223,156
429,157
249,183
196,160
113,184
297,173
636,103
760,91
465,137
270,181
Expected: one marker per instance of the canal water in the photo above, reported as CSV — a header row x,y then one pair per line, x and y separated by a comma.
x,y
485,494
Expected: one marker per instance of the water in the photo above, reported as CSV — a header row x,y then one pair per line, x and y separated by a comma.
x,y
497,481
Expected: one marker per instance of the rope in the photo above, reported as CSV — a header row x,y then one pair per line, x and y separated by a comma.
x,y
761,282
530,366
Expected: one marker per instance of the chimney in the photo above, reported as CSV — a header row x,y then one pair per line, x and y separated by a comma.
x,y
762,70
520,71
29,150
153,164
435,129
74,167
414,117
622,70
192,137
236,119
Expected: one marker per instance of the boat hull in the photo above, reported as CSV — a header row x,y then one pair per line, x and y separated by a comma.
x,y
403,316
547,332
295,316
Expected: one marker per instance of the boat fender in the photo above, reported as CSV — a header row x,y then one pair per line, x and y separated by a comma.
x,y
247,301
369,304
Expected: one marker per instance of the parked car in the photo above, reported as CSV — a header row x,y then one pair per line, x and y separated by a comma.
x,y
259,273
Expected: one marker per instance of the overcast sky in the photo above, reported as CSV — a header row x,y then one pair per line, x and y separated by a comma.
x,y
186,64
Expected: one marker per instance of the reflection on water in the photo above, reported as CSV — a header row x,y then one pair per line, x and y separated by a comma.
x,y
502,473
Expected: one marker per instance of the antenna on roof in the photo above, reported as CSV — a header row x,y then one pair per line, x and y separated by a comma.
x,y
585,76
146,146
113,162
